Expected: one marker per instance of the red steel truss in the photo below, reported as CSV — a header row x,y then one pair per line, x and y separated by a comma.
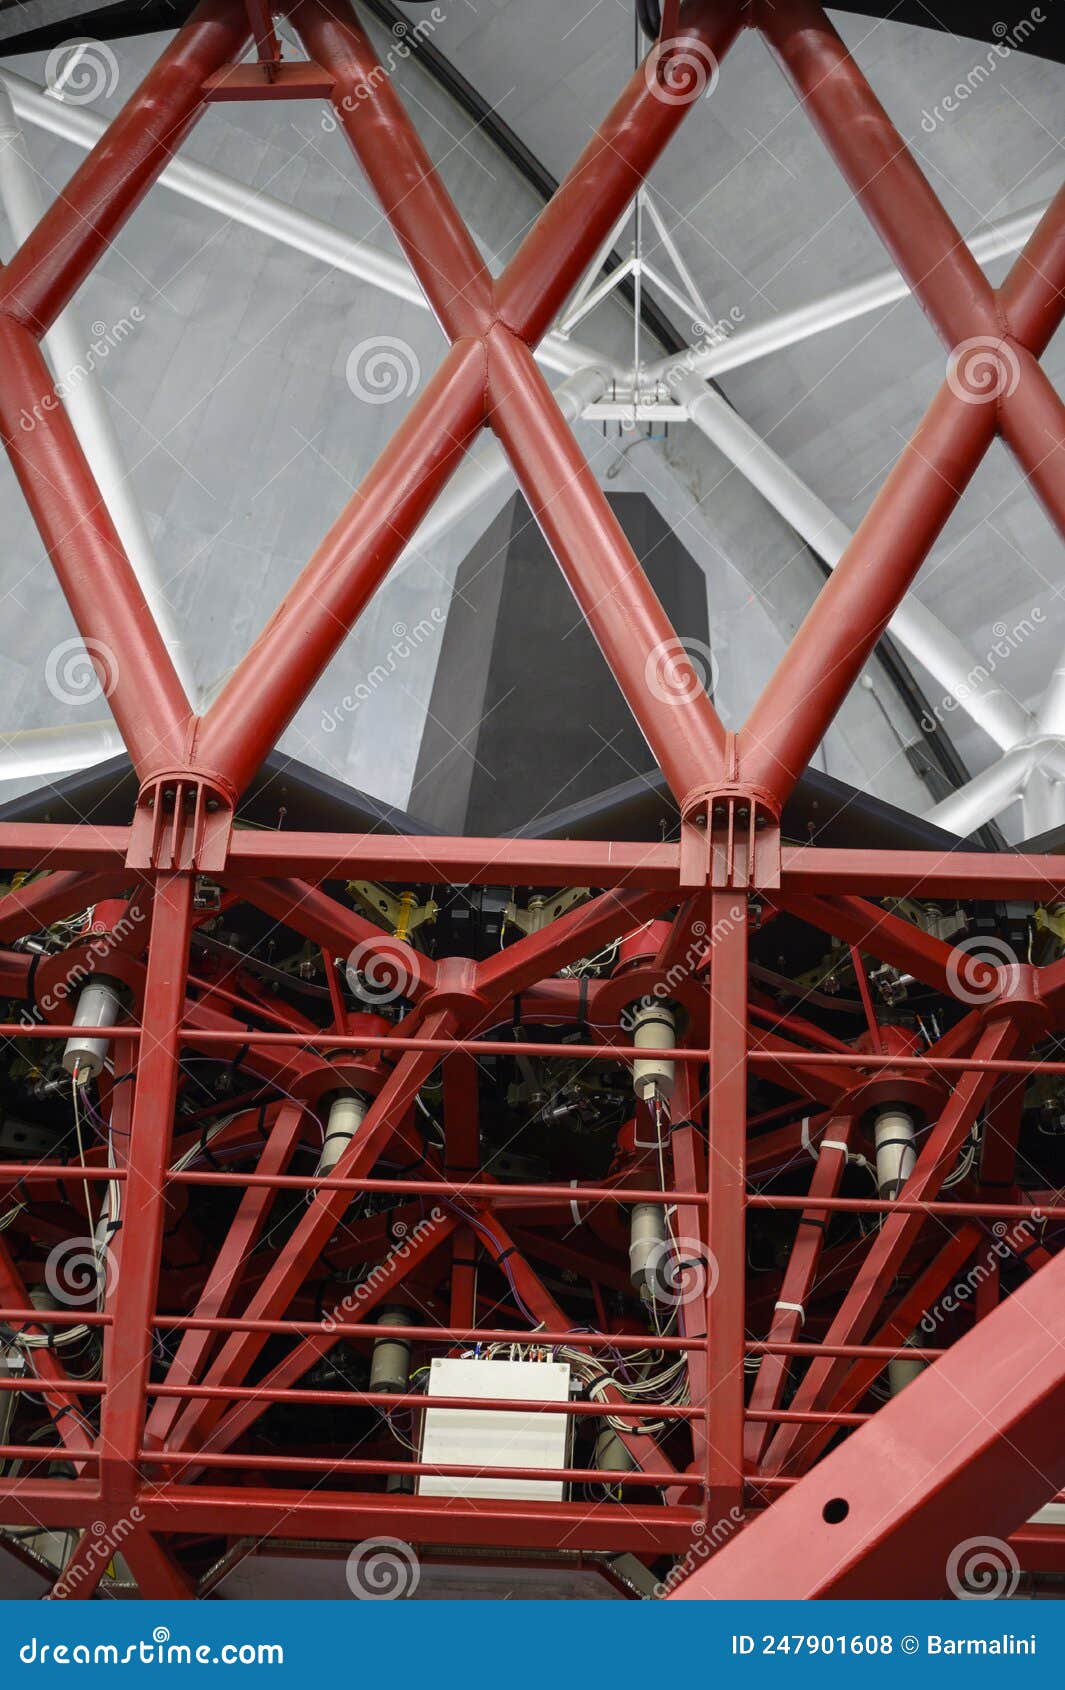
x,y
976,1435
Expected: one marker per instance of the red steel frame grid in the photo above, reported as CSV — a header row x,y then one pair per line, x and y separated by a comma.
x,y
730,789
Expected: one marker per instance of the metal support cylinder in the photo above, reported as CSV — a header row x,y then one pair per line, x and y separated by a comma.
x,y
98,1006
390,1367
654,1026
895,1153
611,1455
647,1242
346,1116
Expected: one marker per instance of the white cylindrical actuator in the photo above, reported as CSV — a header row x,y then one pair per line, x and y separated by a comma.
x,y
98,1006
654,1027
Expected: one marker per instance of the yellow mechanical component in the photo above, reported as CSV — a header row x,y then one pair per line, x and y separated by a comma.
x,y
403,914
542,911
1051,920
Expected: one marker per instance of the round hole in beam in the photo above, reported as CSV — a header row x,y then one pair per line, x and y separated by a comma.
x,y
835,1510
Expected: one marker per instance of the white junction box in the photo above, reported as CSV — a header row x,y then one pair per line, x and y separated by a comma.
x,y
483,1437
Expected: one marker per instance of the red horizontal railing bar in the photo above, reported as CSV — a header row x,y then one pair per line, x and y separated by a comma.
x,y
907,1206
810,1352
926,1064
30,1171
412,1041
430,1334
61,1030
566,1194
807,1417
419,1400
64,1387
43,1455
325,1464
759,1057
55,1317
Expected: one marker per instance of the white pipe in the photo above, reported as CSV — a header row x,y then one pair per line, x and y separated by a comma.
x,y
36,752
1051,713
790,327
269,216
986,795
915,627
68,348
1042,802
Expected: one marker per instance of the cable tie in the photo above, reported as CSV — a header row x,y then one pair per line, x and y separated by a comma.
x,y
793,1308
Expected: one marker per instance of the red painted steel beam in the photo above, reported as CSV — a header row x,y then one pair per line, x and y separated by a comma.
x,y
314,1228
75,1434
931,874
387,1281
155,1094
926,246
50,266
310,911
84,849
134,668
271,682
580,932
887,936
971,1447
610,586
348,1517
890,1247
224,1278
438,246
726,1220
266,854
158,1576
851,611
565,238
804,1258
